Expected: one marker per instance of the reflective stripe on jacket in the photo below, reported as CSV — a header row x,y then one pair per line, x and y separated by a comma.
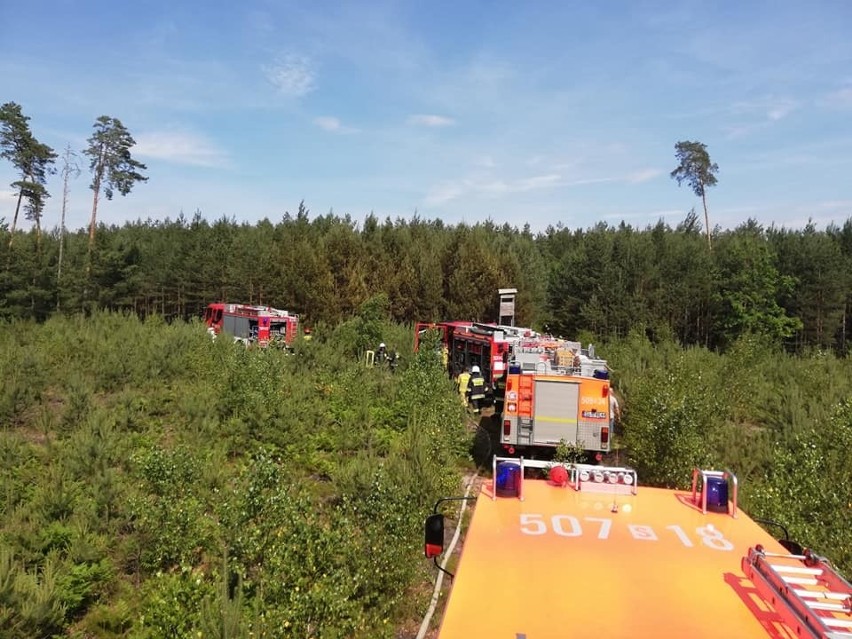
x,y
476,387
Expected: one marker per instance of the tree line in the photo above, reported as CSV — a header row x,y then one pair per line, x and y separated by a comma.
x,y
792,285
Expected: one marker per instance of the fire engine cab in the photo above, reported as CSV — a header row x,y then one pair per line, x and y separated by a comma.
x,y
249,324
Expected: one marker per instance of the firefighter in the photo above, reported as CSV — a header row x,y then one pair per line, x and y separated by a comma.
x,y
500,391
308,336
462,381
381,355
393,361
614,410
476,388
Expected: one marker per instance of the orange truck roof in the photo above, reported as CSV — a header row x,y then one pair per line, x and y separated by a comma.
x,y
562,563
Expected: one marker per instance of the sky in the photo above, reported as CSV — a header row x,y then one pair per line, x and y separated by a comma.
x,y
544,113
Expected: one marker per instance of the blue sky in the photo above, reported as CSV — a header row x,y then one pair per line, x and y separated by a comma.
x,y
540,112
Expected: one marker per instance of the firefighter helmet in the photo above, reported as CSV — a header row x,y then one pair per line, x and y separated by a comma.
x,y
475,370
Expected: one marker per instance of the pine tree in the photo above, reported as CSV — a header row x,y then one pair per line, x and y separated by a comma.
x,y
32,159
698,171
112,166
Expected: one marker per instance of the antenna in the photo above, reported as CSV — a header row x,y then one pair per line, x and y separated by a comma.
x,y
614,508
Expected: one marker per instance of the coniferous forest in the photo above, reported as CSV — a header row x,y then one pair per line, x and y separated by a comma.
x,y
159,483
792,286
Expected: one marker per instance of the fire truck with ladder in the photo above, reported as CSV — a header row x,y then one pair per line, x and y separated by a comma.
x,y
546,390
249,324
588,552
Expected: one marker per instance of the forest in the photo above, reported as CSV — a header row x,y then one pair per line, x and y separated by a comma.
x,y
790,285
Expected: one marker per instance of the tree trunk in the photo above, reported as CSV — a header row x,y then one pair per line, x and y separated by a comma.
x,y
92,222
61,240
37,264
94,219
15,219
706,219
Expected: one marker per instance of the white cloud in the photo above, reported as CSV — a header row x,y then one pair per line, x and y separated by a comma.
x,y
585,181
565,166
720,108
538,182
260,23
643,175
485,185
179,148
332,125
444,193
841,98
758,114
430,120
7,197
328,123
490,187
485,162
519,185
651,215
779,109
293,75
834,205
736,131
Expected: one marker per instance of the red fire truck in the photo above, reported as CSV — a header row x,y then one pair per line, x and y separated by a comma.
x,y
546,390
249,324
468,344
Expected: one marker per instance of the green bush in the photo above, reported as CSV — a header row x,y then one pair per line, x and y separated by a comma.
x,y
30,601
778,421
171,605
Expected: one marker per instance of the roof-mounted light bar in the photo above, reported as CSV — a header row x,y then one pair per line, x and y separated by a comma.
x,y
601,478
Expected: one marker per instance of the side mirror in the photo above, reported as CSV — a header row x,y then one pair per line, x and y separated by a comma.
x,y
433,532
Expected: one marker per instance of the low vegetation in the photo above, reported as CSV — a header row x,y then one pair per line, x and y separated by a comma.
x,y
158,483
161,484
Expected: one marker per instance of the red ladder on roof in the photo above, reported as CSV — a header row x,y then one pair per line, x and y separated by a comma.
x,y
812,598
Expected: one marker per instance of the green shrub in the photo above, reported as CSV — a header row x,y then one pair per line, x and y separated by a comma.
x,y
171,605
30,602
78,585
156,450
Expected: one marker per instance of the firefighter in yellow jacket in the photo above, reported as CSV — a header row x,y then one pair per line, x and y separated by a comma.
x,y
475,388
462,381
